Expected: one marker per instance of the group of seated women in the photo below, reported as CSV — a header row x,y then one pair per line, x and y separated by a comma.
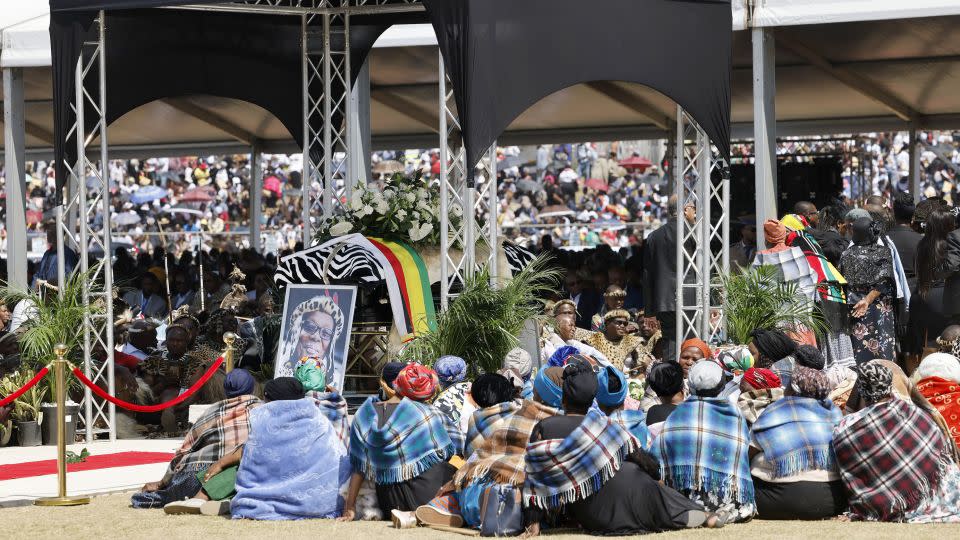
x,y
719,437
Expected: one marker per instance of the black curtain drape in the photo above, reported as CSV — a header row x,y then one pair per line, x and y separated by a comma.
x,y
505,55
154,54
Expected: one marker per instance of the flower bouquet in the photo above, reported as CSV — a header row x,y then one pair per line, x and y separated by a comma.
x,y
399,208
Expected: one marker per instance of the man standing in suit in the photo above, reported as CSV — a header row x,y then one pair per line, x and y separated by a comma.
x,y
660,275
903,235
588,301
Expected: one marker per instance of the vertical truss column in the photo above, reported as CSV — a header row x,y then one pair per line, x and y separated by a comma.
x,y
311,48
456,221
701,181
490,223
337,105
88,198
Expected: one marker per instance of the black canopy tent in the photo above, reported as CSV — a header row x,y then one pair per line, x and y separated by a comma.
x,y
502,56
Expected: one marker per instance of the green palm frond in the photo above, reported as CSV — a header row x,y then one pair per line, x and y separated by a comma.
x,y
757,299
483,323
53,320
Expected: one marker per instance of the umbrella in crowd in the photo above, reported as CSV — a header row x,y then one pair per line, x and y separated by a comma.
x,y
389,166
183,210
196,195
126,218
529,186
636,162
597,184
148,194
557,210
508,162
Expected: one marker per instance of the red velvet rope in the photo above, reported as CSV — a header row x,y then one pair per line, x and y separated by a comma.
x,y
36,378
149,408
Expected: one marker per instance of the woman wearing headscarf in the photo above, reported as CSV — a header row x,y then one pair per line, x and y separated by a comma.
x,y
791,262
596,470
735,360
938,380
450,370
219,431
496,444
759,388
518,360
454,398
703,448
794,470
692,351
401,443
547,387
868,267
611,393
894,459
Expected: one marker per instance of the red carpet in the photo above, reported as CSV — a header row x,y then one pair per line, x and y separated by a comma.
x,y
105,461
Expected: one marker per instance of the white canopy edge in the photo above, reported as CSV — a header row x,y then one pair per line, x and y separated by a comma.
x,y
26,42
771,13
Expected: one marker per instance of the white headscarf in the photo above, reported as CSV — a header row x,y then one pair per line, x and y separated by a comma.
x,y
943,365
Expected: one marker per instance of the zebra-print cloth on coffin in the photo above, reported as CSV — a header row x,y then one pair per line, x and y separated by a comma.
x,y
517,257
351,262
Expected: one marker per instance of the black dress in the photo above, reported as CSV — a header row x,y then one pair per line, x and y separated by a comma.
x,y
632,502
416,492
928,316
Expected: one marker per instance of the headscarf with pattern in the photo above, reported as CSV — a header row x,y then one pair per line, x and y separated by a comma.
x,y
450,370
874,383
809,383
416,382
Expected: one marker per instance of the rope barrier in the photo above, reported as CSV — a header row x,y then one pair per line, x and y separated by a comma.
x,y
149,408
36,378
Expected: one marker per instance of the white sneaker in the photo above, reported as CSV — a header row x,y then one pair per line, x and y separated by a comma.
x,y
187,506
215,508
403,520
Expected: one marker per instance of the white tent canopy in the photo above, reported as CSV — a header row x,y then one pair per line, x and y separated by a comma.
x,y
878,65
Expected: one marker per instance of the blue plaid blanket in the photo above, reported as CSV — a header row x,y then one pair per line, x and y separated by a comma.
x,y
703,447
414,438
636,423
561,471
796,435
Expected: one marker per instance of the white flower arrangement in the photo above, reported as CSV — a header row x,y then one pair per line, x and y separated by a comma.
x,y
402,209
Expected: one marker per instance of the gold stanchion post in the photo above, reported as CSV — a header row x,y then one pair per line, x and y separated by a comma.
x,y
228,339
60,368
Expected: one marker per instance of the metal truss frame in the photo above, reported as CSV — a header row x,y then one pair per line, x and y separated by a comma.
x,y
701,180
87,195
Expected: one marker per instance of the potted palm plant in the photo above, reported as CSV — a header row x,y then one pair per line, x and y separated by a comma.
x,y
52,319
26,408
483,323
759,299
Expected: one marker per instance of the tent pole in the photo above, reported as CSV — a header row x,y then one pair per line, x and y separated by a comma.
x,y
14,145
256,196
764,124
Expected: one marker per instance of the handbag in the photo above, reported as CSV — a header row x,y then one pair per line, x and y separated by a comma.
x,y
501,513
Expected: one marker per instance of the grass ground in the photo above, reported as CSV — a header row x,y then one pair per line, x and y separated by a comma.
x,y
111,517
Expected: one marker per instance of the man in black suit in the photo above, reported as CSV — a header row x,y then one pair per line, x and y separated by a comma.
x,y
903,235
588,301
660,276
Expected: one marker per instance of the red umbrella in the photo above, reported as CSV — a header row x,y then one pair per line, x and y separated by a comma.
x,y
597,184
196,195
636,162
272,183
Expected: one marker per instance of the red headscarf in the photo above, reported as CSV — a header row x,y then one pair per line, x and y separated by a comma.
x,y
761,379
416,382
698,343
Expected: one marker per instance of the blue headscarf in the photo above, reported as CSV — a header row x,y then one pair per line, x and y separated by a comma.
x,y
238,382
450,370
605,397
549,391
561,354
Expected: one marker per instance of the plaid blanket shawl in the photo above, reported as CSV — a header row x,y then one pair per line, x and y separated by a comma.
x,y
561,471
703,447
752,403
218,432
497,442
334,408
944,395
414,438
636,423
891,457
796,435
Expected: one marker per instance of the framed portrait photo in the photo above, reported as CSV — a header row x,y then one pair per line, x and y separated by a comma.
x,y
316,324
